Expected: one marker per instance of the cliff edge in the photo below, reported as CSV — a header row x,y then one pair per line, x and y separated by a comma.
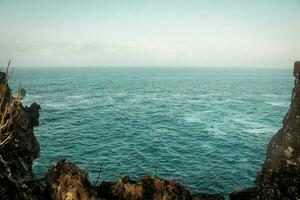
x,y
278,179
18,145
280,174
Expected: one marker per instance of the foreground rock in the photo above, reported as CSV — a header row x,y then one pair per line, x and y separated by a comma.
x,y
278,179
149,188
204,196
64,180
245,194
18,146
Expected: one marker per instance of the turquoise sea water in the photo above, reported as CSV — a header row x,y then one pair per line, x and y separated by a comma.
x,y
206,128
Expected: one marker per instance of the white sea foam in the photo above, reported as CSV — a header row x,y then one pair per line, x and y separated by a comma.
x,y
282,104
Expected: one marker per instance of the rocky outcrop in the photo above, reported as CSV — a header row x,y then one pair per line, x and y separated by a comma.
x,y
280,174
147,187
64,180
245,194
18,146
205,196
285,144
283,183
279,177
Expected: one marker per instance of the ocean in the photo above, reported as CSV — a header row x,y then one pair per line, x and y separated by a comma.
x,y
206,128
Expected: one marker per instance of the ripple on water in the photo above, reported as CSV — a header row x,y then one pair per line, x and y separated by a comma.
x,y
206,128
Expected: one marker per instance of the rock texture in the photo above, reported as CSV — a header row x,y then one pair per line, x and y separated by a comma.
x,y
204,196
280,174
279,178
285,145
147,187
245,194
18,146
64,180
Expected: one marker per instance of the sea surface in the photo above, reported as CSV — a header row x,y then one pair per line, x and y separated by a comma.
x,y
206,128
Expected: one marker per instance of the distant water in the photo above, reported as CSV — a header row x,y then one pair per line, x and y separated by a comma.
x,y
206,128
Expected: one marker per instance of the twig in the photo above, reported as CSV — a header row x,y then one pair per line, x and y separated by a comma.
x,y
99,173
3,161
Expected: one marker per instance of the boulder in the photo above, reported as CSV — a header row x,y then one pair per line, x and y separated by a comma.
x,y
65,181
145,188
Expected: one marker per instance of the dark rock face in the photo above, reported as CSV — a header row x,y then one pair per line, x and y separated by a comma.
x,y
283,183
64,180
280,174
245,194
279,177
285,145
18,146
204,196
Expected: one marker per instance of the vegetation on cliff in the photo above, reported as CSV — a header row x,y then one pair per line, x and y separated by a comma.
x,y
278,179
18,145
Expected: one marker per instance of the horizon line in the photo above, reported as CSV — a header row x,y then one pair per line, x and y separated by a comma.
x,y
149,66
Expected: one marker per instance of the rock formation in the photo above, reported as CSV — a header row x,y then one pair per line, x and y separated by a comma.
x,y
280,175
18,146
278,179
245,194
285,145
148,188
64,180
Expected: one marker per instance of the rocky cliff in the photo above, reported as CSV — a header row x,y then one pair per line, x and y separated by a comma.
x,y
285,144
280,174
18,145
278,179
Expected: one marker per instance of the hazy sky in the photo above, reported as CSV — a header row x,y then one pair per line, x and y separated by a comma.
x,y
233,33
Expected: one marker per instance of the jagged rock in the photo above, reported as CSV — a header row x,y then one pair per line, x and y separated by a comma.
x,y
245,194
145,188
285,145
283,183
18,147
204,196
65,181
279,177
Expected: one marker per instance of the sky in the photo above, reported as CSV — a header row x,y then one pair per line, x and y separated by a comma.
x,y
193,33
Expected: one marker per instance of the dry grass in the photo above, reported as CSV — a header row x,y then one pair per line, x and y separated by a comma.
x,y
9,110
